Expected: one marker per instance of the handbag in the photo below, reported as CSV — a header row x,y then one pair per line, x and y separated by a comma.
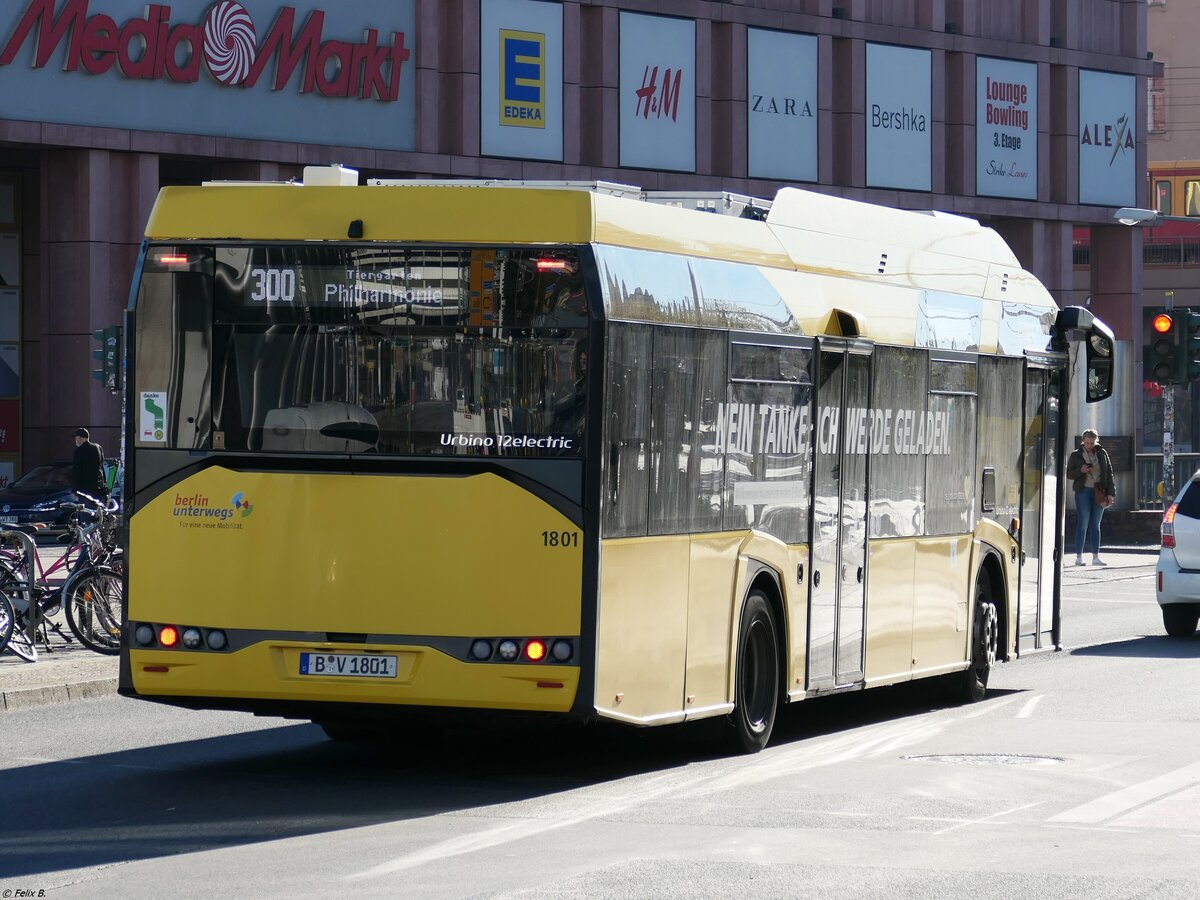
x,y
1102,499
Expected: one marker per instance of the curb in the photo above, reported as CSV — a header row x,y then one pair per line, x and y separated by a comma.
x,y
28,698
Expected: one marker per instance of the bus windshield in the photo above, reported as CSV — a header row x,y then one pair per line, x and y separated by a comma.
x,y
396,350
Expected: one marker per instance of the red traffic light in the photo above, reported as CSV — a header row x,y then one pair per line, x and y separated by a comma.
x,y
1162,323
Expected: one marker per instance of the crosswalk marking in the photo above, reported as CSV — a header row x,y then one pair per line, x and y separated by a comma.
x,y
1110,805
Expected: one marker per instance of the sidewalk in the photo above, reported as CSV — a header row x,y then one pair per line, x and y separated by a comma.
x,y
70,672
1115,558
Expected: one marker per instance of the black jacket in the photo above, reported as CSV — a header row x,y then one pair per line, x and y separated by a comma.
x,y
88,470
1079,477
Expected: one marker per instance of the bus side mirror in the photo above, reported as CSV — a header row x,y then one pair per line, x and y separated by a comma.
x,y
1099,356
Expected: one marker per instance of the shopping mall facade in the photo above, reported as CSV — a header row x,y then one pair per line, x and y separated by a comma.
x,y
1026,114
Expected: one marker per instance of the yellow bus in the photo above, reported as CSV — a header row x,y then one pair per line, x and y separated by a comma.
x,y
403,452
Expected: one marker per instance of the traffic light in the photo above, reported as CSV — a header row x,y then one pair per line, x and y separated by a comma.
x,y
1162,354
1188,325
109,356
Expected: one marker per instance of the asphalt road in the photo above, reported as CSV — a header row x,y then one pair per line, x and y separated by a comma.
x,y
1078,776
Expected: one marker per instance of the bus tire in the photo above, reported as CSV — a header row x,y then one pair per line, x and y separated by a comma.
x,y
985,645
756,688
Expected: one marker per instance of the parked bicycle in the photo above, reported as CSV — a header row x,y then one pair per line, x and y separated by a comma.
x,y
90,592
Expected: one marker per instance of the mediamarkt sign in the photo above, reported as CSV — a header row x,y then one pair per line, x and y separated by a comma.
x,y
226,41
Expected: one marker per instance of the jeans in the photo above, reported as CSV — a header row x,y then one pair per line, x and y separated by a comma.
x,y
1087,521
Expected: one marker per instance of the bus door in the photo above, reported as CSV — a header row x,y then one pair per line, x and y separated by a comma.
x,y
1040,496
839,520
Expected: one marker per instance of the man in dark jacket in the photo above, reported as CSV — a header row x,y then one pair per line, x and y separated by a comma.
x,y
87,475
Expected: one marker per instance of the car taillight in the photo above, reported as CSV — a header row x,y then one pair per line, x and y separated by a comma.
x,y
1168,526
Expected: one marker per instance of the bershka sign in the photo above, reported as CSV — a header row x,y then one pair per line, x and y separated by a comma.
x,y
224,43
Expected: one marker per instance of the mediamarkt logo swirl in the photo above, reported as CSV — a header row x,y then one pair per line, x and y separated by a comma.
x,y
230,43
153,47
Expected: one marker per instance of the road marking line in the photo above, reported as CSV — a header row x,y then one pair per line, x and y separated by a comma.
x,y
987,820
773,763
142,768
1113,764
984,708
1126,603
520,829
1127,798
1027,710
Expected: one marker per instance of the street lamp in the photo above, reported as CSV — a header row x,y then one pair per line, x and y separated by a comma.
x,y
1131,215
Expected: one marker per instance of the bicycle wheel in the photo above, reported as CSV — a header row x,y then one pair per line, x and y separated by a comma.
x,y
6,621
18,641
95,608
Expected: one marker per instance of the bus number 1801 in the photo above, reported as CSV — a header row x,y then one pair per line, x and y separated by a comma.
x,y
560,538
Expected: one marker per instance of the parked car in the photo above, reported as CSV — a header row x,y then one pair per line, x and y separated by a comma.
x,y
37,496
1178,574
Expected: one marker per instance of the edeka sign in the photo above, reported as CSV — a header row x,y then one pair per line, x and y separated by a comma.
x,y
520,100
522,78
121,63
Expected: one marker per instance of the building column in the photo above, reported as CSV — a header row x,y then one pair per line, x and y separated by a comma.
x,y
1116,279
94,205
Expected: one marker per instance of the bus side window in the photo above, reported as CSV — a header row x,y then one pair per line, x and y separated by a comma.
x,y
627,428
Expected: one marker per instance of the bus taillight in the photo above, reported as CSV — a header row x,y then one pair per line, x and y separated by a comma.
x,y
535,650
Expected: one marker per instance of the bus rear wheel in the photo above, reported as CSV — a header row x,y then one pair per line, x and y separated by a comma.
x,y
756,697
985,645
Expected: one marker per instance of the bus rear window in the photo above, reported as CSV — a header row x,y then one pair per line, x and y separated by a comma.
x,y
364,350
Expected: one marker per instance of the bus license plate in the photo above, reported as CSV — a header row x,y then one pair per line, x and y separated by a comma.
x,y
358,665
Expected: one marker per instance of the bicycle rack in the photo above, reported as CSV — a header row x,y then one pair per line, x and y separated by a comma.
x,y
29,551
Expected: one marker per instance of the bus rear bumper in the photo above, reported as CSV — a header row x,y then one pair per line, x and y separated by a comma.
x,y
423,676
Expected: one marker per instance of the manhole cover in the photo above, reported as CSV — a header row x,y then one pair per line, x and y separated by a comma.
x,y
989,759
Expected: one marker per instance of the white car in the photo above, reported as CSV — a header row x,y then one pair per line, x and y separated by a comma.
x,y
1178,575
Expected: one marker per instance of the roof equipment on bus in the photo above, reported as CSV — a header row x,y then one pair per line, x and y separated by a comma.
x,y
725,202
741,206
330,176
598,187
335,175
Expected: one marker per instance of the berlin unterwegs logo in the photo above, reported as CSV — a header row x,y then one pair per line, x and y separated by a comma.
x,y
230,42
240,502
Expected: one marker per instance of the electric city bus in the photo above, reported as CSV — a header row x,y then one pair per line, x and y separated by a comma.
x,y
401,453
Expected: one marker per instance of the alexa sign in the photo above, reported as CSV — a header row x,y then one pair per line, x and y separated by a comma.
x,y
225,41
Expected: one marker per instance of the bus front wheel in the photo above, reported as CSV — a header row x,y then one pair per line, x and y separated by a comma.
x,y
985,645
756,697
